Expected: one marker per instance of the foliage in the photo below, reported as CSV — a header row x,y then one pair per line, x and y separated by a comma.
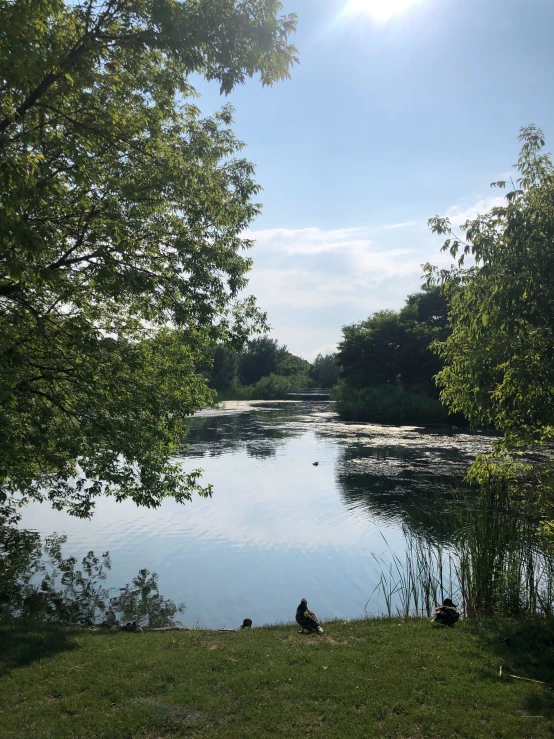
x,y
261,357
141,602
499,367
324,370
262,370
122,212
291,365
224,372
272,387
387,404
387,369
368,679
391,348
497,562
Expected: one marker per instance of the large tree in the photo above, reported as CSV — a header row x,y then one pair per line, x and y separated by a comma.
x,y
121,214
393,348
260,359
324,370
499,359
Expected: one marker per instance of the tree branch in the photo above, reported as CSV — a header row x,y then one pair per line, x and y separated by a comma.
x,y
78,50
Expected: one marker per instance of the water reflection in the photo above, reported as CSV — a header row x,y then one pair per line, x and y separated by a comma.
x,y
278,528
397,485
259,429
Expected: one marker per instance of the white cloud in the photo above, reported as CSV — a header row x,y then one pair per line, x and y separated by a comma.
x,y
325,349
308,240
313,281
395,226
459,215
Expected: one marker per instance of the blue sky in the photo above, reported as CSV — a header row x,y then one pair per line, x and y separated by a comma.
x,y
383,125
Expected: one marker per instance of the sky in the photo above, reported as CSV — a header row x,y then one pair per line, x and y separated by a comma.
x,y
399,110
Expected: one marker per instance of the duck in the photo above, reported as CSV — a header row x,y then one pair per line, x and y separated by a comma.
x,y
446,614
246,624
307,619
315,464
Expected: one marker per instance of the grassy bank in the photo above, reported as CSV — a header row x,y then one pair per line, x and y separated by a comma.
x,y
273,387
388,404
374,678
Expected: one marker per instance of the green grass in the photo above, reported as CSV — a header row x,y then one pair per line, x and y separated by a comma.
x,y
373,678
388,404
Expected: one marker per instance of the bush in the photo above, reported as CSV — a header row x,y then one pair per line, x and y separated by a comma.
x,y
272,387
387,404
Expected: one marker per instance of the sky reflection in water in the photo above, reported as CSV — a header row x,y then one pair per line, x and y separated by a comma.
x,y
277,528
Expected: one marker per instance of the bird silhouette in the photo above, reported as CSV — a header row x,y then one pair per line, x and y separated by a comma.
x,y
447,614
307,619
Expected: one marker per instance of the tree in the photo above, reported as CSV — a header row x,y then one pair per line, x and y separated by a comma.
x,y
121,219
291,365
224,373
324,370
368,353
499,359
392,348
423,320
261,358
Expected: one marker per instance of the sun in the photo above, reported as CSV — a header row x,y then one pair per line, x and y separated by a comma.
x,y
380,11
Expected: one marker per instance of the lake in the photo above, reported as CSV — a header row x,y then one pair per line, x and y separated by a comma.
x,y
278,528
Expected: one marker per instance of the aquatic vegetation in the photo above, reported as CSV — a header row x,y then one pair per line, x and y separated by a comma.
x,y
388,404
498,563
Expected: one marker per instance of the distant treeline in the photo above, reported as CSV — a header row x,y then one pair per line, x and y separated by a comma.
x,y
383,371
264,370
387,368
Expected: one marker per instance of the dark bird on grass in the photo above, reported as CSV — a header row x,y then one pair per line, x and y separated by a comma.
x,y
246,624
447,614
307,619
315,464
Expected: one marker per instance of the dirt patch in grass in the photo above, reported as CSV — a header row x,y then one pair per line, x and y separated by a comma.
x,y
177,712
327,640
211,646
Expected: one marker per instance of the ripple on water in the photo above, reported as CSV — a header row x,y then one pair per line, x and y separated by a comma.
x,y
277,528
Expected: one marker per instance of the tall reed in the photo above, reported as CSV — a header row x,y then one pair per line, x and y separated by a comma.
x,y
496,563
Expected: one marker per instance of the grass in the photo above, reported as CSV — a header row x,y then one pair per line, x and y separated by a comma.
x,y
371,678
388,404
497,562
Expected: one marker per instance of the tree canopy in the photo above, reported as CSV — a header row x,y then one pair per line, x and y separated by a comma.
x,y
392,347
325,370
387,369
259,359
122,211
499,367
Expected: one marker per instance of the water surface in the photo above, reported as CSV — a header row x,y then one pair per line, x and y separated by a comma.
x,y
279,528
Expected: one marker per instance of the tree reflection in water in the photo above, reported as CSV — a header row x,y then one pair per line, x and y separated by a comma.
x,y
38,582
396,485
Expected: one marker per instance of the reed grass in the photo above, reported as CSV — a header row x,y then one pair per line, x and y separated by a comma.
x,y
389,404
496,564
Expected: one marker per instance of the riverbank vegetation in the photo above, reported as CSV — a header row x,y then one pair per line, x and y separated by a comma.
x,y
265,370
387,368
370,678
498,367
498,560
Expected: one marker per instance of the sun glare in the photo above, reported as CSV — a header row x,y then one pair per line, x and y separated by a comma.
x,y
380,11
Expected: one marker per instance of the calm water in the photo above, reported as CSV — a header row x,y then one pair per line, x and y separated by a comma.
x,y
277,528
